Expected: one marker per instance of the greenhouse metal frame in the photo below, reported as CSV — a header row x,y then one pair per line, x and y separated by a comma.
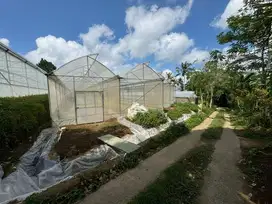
x,y
18,76
86,91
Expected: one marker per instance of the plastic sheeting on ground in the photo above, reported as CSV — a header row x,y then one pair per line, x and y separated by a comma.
x,y
141,134
36,172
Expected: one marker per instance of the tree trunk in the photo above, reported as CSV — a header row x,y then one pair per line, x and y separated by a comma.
x,y
201,99
263,77
211,99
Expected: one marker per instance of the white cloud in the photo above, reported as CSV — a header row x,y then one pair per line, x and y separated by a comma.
x,y
56,50
148,34
231,9
171,47
166,72
196,55
147,25
5,41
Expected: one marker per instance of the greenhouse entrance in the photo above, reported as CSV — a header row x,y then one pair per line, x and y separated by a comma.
x,y
89,106
86,91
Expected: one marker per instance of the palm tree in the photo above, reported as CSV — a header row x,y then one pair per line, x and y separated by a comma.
x,y
183,70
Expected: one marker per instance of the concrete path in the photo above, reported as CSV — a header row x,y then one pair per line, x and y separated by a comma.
x,y
223,179
122,189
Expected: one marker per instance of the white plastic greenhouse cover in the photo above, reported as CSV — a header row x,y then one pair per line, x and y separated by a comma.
x,y
18,76
83,91
145,86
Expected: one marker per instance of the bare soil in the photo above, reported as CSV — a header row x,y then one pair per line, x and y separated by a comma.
x,y
78,139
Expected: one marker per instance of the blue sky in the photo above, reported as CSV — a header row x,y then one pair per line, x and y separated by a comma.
x,y
123,32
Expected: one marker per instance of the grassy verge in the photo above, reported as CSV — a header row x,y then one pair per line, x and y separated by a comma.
x,y
180,183
256,163
93,182
178,109
215,129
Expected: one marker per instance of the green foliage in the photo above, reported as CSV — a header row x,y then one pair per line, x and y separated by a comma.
x,y
21,118
178,109
180,183
46,66
98,178
149,119
195,120
215,129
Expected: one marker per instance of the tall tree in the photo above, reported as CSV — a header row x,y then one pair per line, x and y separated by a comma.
x,y
183,70
249,36
46,66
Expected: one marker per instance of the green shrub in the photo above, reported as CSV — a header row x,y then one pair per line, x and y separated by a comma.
x,y
188,106
22,117
178,109
149,119
207,110
195,120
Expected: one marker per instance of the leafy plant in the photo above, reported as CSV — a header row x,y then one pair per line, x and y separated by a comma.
x,y
178,109
149,119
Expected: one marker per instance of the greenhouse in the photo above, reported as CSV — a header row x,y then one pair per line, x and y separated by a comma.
x,y
86,91
147,87
18,76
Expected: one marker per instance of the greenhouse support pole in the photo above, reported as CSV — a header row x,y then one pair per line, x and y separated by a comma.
x,y
162,91
103,106
27,79
144,93
75,104
6,58
120,109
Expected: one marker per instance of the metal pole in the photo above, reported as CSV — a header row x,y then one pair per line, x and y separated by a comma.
x,y
144,93
162,91
27,79
103,105
75,102
49,99
119,97
6,57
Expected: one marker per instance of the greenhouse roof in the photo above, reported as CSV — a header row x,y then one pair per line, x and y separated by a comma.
x,y
86,66
11,52
143,72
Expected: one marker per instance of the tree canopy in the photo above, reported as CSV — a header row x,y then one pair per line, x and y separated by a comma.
x,y
46,66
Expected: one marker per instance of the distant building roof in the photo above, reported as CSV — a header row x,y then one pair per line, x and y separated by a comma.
x,y
185,94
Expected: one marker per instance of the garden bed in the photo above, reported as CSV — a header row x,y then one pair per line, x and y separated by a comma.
x,y
88,184
78,139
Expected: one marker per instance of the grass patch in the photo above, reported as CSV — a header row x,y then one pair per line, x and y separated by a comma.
x,y
215,129
150,119
180,183
91,184
178,109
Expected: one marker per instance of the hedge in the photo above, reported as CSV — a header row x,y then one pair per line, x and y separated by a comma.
x,y
98,178
22,118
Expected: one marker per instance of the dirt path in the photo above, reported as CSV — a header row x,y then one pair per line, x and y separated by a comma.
x,y
224,179
126,186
